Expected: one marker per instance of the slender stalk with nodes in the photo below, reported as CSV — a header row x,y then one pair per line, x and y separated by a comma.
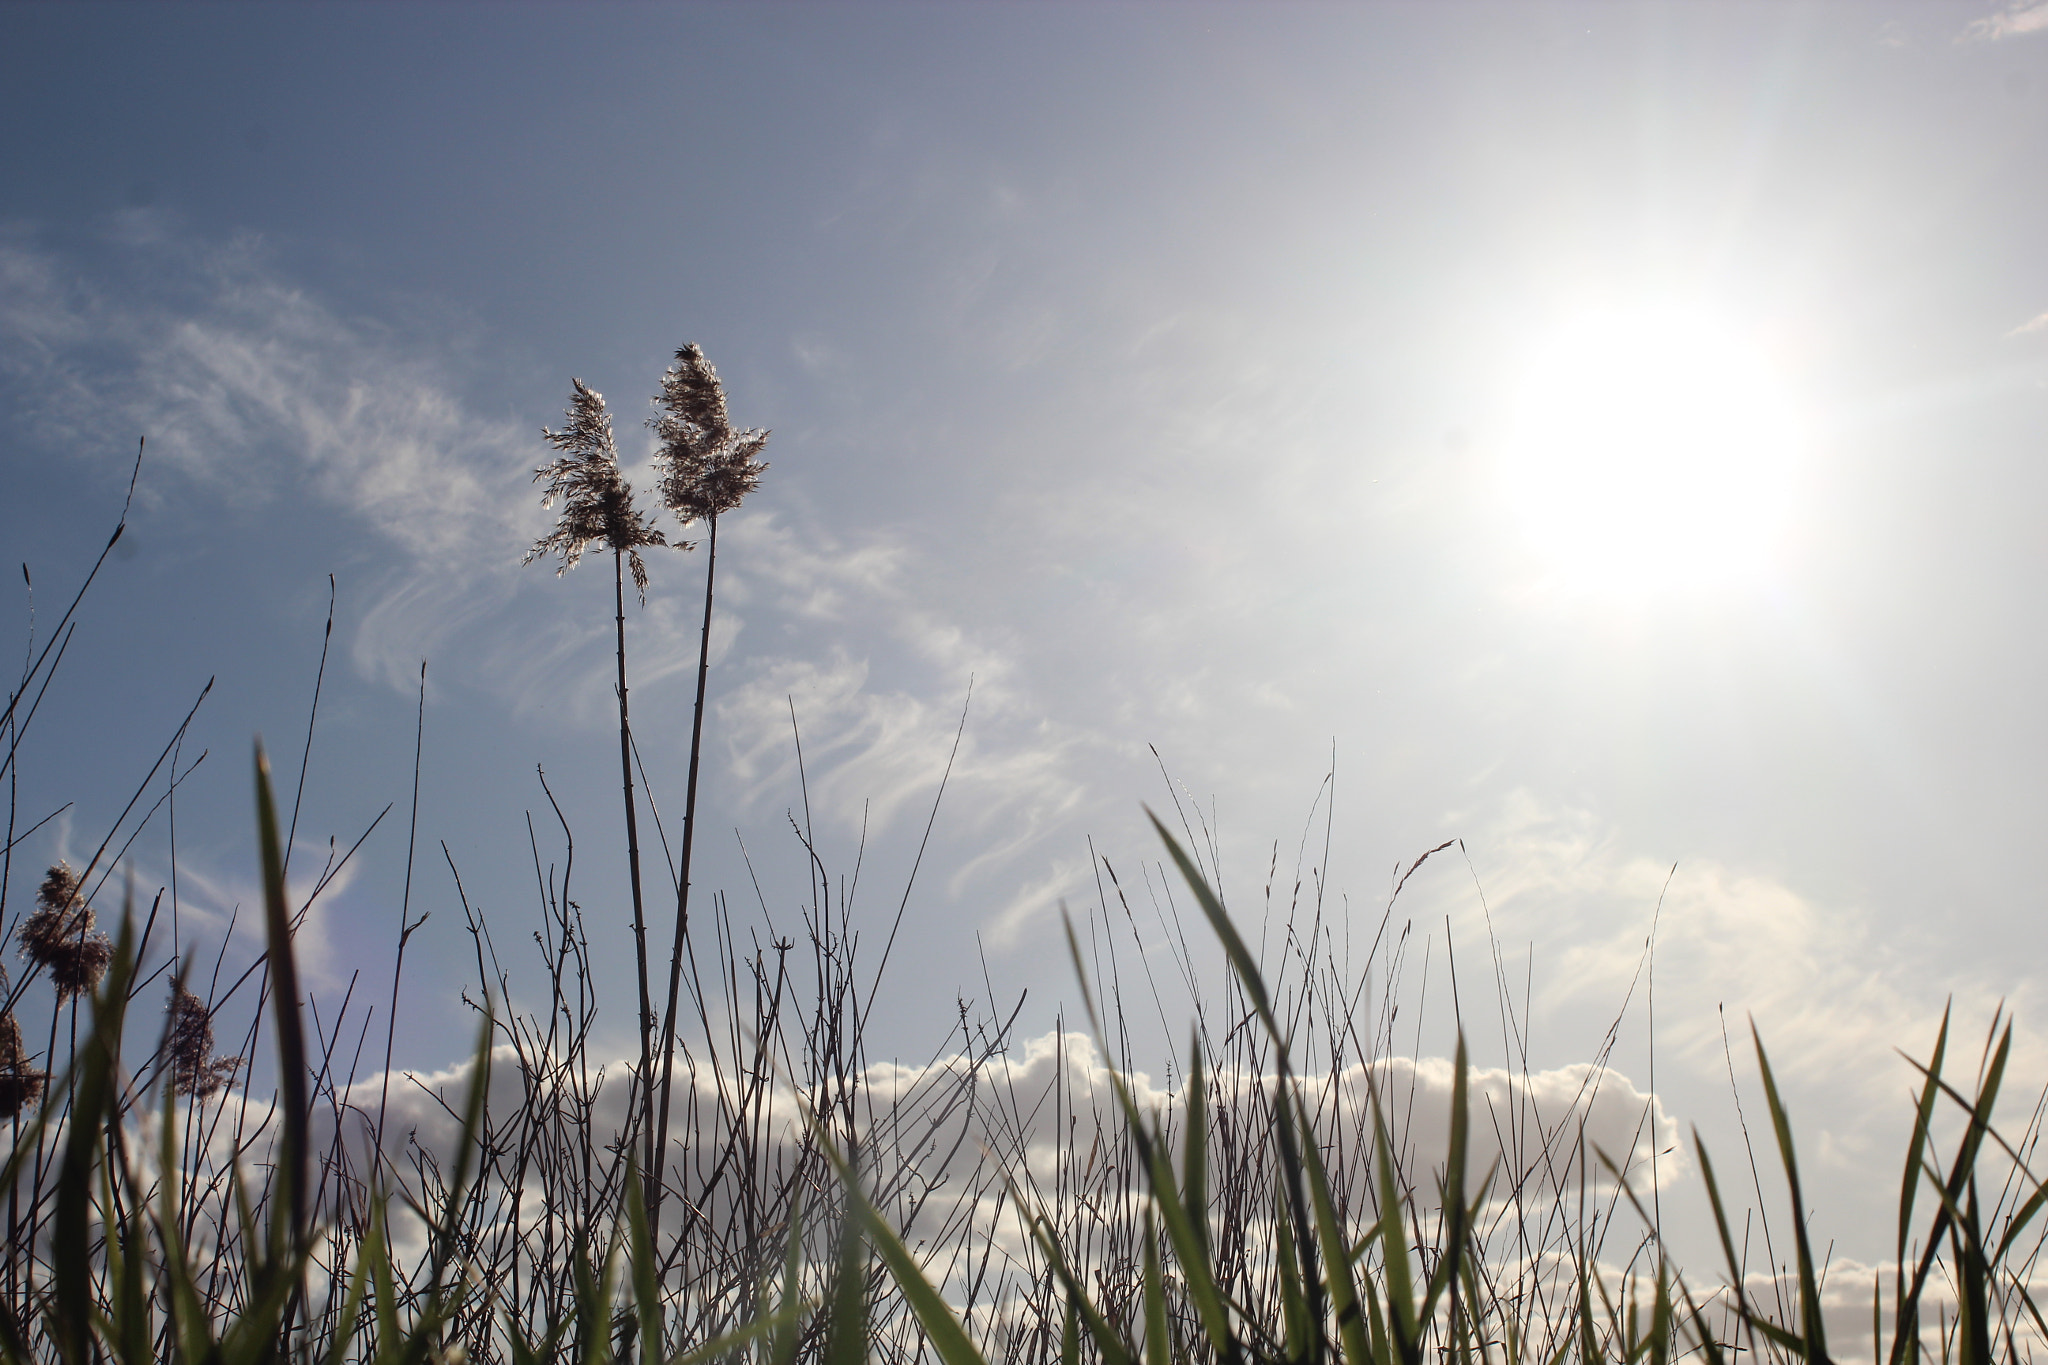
x,y
707,467
598,509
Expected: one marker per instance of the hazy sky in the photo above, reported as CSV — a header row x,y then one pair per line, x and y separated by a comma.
x,y
1613,433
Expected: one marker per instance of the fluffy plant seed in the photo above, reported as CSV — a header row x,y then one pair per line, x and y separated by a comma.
x,y
20,1085
597,502
188,1047
707,467
59,936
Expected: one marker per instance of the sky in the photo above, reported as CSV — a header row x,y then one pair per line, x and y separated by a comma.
x,y
1608,436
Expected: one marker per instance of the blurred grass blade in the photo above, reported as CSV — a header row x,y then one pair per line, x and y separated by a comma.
x,y
92,1108
846,1302
948,1339
783,1319
1295,1328
1158,1346
641,1264
288,1214
1194,1188
783,1344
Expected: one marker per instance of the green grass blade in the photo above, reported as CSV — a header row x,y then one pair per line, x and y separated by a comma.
x,y
1186,1222
288,1207
1296,1329
641,1265
446,1236
1342,1283
191,1330
783,1344
92,1104
949,1340
126,1331
1735,1285
1240,956
1399,1282
344,1335
1194,1188
383,1289
1923,1116
1158,1345
1453,1194
1589,1339
846,1321
1704,1340
1812,1324
783,1319
1112,1350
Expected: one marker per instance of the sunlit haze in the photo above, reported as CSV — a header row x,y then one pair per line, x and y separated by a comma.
x,y
1653,448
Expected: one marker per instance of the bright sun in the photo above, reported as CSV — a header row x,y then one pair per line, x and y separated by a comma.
x,y
1652,448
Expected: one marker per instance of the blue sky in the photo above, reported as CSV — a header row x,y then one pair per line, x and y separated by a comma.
x,y
1165,370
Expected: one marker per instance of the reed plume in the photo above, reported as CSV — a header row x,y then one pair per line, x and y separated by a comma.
x,y
59,936
707,467
20,1084
597,502
598,509
188,1047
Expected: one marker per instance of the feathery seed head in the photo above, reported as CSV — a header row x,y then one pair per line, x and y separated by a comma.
x,y
189,1047
59,935
59,888
20,1085
706,466
597,502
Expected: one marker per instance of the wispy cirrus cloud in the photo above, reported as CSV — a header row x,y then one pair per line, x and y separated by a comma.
x,y
255,390
263,397
2015,20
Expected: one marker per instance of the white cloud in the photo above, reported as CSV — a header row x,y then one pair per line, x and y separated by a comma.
x,y
253,389
1833,994
2015,20
2038,323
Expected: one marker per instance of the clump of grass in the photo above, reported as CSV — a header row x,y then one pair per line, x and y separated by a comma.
x,y
1268,1211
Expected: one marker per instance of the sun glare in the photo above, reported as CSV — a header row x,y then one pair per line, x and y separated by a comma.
x,y
1650,449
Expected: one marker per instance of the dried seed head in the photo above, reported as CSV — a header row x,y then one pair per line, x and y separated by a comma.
x,y
59,936
706,466
189,1047
20,1086
59,890
597,502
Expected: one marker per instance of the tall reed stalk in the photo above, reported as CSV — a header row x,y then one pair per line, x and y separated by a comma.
x,y
707,467
598,509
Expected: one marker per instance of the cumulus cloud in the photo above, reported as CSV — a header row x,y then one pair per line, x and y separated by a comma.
x,y
1822,982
